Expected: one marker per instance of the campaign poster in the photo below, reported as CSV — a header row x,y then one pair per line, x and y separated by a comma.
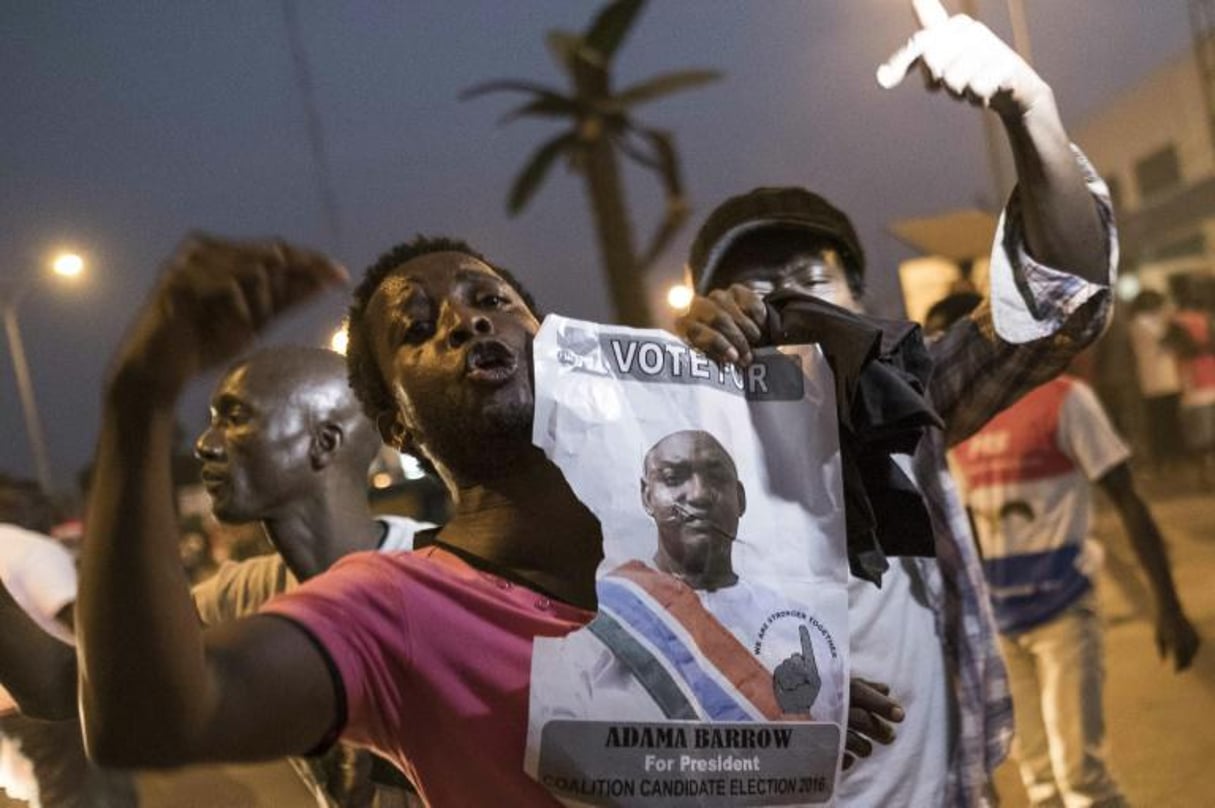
x,y
716,670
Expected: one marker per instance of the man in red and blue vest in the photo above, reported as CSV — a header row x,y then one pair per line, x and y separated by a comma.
x,y
1028,476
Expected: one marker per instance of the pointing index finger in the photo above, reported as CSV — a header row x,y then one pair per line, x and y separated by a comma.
x,y
807,649
929,13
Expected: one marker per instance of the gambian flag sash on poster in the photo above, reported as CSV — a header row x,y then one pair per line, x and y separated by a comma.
x,y
691,664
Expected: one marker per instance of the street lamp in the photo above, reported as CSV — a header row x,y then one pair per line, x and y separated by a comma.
x,y
12,292
340,339
67,265
679,296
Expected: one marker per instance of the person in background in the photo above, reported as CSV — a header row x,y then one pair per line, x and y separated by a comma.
x,y
42,761
195,547
1192,338
287,449
1159,375
1028,476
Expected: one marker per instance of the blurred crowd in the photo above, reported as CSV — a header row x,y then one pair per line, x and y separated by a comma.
x,y
1172,417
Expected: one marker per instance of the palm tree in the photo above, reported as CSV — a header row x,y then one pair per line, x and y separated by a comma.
x,y
601,129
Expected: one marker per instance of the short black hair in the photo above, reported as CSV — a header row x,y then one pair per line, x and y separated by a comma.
x,y
951,308
25,504
365,378
1147,300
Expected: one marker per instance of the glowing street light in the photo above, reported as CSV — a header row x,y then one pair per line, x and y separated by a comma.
x,y
12,292
68,265
679,296
339,340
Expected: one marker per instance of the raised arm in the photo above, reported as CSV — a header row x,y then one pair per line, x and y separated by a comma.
x,y
156,690
1063,227
1052,266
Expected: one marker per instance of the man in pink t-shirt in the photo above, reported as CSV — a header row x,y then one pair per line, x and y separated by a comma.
x,y
424,657
450,676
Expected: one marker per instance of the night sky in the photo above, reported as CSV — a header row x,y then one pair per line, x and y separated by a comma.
x,y
125,124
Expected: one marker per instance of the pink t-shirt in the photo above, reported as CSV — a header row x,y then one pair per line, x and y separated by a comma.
x,y
1197,371
435,660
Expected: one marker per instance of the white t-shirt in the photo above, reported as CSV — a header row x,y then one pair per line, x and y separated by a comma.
x,y
40,575
1155,363
894,641
240,588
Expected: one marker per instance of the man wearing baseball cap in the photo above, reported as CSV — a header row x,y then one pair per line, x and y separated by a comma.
x,y
928,631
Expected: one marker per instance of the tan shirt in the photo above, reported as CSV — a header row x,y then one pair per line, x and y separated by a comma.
x,y
240,588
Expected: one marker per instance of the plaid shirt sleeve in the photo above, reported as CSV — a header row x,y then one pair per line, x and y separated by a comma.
x,y
1035,321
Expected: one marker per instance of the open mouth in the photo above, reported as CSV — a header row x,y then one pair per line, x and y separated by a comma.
x,y
490,362
212,479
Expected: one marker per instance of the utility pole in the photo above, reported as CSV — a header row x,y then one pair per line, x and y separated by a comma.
x,y
13,290
25,388
1202,28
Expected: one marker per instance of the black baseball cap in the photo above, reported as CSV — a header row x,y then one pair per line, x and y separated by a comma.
x,y
786,207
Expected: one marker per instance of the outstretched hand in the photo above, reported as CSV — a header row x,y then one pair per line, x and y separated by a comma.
x,y
965,58
212,299
725,325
